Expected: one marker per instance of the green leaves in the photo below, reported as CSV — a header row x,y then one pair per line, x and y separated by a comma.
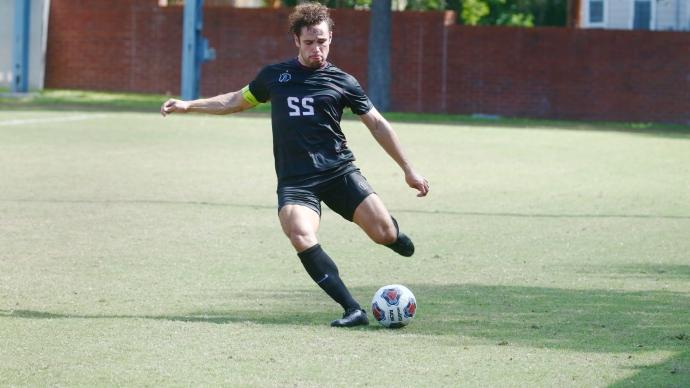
x,y
522,13
473,11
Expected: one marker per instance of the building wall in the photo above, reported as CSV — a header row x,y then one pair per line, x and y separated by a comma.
x,y
668,15
619,14
553,73
672,15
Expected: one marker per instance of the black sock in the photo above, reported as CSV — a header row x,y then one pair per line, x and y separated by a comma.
x,y
402,245
325,273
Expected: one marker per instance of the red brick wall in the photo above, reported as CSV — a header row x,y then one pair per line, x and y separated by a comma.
x,y
417,62
572,74
247,39
123,45
134,45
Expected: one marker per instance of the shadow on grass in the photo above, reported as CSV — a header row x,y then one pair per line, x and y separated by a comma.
x,y
217,317
580,320
680,272
590,320
673,372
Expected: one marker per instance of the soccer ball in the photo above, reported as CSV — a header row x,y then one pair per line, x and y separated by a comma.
x,y
394,306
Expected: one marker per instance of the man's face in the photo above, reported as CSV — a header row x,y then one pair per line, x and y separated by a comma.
x,y
313,45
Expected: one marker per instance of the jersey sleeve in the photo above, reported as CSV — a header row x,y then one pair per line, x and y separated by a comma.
x,y
258,88
356,99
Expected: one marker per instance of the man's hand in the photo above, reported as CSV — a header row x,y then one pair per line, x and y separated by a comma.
x,y
173,105
417,182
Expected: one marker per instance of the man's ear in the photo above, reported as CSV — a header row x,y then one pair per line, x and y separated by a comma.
x,y
296,40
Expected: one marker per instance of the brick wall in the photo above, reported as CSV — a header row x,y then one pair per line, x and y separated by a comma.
x,y
134,45
122,45
572,74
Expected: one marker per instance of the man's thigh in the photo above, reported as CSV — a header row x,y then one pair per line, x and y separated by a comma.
x,y
299,210
346,193
372,216
298,196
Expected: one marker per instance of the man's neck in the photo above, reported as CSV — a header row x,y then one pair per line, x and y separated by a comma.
x,y
306,67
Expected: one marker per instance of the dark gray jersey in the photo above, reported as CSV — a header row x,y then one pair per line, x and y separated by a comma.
x,y
306,108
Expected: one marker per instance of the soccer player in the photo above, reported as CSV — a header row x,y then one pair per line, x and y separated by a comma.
x,y
312,160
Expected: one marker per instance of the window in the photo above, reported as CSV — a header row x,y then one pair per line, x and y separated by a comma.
x,y
596,11
642,15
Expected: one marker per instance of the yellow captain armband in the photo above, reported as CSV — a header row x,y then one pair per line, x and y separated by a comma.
x,y
248,96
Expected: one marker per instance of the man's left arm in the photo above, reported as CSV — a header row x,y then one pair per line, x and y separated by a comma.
x,y
384,134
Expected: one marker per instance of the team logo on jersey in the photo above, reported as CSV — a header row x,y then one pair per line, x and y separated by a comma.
x,y
285,77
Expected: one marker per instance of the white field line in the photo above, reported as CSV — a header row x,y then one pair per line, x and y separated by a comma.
x,y
50,120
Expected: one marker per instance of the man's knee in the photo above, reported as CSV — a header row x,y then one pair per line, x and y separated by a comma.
x,y
299,224
302,240
385,233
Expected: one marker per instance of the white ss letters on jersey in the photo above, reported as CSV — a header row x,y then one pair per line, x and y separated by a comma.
x,y
306,109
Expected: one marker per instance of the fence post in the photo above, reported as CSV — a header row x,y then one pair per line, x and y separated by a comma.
x,y
20,46
379,68
195,49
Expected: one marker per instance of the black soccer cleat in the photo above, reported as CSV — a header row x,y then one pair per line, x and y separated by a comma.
x,y
354,317
403,245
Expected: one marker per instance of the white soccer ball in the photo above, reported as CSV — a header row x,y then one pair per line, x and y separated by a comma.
x,y
394,306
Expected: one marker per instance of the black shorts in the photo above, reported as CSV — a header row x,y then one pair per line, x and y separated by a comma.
x,y
342,194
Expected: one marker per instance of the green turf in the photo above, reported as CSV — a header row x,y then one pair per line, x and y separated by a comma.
x,y
69,99
142,251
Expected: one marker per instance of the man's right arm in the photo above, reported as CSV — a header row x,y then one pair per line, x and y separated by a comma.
x,y
219,105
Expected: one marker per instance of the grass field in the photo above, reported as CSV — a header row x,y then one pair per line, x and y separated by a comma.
x,y
142,251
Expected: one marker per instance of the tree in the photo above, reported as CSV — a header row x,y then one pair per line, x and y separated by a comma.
x,y
525,13
473,11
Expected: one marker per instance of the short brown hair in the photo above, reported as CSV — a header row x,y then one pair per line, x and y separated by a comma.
x,y
309,14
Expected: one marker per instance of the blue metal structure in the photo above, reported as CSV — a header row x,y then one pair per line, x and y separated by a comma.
x,y
195,49
20,46
379,62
